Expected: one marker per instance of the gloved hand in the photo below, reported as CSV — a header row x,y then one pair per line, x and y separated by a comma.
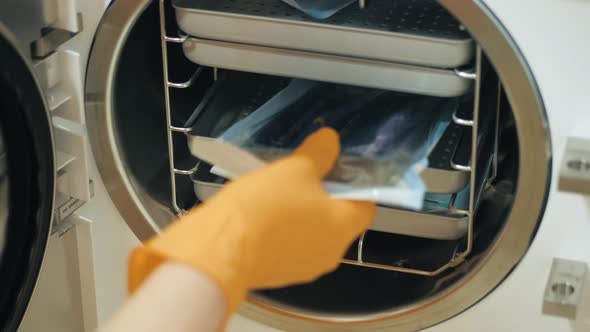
x,y
271,228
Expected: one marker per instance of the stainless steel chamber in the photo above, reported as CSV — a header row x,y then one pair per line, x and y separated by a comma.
x,y
138,141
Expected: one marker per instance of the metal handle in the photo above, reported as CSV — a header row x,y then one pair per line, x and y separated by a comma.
x,y
182,37
468,74
188,83
461,121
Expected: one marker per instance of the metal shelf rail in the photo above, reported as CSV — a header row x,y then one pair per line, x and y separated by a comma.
x,y
171,129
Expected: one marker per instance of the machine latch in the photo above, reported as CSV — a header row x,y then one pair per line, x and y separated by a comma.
x,y
574,174
564,290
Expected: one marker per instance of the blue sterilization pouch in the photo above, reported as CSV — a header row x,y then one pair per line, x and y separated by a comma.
x,y
319,9
385,136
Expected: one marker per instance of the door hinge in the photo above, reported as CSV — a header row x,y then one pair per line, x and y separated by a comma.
x,y
52,38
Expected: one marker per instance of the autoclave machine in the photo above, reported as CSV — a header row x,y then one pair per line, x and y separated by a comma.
x,y
121,95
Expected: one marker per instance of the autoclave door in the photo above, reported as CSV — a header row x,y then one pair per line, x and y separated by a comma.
x,y
26,181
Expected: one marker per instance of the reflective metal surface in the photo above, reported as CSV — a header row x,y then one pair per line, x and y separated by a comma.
x,y
142,213
118,155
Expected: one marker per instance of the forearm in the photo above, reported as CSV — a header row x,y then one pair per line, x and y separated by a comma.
x,y
244,239
174,298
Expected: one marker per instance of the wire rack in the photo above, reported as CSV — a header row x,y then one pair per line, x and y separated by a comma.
x,y
470,120
171,128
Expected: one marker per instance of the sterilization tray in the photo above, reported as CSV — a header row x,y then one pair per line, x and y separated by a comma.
x,y
439,177
237,94
442,225
327,68
403,31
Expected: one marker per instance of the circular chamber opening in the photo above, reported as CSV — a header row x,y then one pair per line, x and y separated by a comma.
x,y
125,110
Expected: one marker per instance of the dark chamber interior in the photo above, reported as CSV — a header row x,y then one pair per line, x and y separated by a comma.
x,y
141,127
29,171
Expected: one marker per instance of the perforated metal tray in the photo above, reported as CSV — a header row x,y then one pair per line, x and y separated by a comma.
x,y
433,222
439,177
327,68
403,31
441,225
237,94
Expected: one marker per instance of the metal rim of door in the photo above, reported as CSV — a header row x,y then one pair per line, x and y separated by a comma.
x,y
30,169
510,246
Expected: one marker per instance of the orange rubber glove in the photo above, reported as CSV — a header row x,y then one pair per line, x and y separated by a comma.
x,y
271,228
